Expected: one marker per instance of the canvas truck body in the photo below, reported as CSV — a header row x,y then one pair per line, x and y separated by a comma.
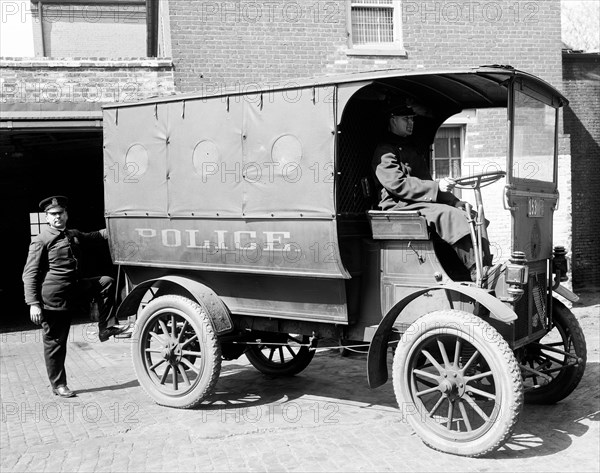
x,y
245,222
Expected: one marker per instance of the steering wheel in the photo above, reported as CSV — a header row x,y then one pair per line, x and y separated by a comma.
x,y
477,181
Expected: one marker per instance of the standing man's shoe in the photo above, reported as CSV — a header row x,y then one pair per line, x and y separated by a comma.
x,y
105,334
63,391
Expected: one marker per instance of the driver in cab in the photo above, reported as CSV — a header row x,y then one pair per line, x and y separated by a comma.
x,y
400,167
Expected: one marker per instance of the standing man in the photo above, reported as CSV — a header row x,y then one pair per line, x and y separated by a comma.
x,y
54,289
406,184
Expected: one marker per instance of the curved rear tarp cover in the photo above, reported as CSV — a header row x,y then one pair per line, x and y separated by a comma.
x,y
255,156
135,149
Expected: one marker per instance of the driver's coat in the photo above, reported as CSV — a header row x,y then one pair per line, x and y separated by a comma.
x,y
406,184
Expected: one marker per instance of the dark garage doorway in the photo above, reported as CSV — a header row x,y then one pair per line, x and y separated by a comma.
x,y
39,163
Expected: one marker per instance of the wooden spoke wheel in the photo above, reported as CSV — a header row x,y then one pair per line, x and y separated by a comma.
x,y
553,367
176,354
457,383
281,354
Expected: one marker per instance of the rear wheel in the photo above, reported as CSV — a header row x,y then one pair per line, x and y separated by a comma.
x,y
281,354
176,354
457,383
553,367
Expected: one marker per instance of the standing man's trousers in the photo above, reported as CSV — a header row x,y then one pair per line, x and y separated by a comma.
x,y
57,323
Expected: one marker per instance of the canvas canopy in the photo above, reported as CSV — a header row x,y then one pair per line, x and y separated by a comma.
x,y
256,171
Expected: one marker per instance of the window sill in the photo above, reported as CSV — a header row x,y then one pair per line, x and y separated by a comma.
x,y
85,63
376,52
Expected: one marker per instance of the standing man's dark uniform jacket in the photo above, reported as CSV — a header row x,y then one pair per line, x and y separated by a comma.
x,y
52,271
407,185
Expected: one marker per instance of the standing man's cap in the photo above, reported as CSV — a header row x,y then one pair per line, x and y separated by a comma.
x,y
54,202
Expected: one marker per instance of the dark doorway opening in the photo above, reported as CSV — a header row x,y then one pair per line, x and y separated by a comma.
x,y
35,164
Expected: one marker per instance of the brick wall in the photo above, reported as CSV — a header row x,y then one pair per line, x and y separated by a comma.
x,y
217,43
581,75
84,81
485,151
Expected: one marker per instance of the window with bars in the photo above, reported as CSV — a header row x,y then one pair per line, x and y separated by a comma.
x,y
376,24
447,152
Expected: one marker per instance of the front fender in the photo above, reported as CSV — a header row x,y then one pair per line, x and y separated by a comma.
x,y
377,373
202,294
566,293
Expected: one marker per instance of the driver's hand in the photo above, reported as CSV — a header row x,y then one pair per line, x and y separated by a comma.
x,y
446,184
35,314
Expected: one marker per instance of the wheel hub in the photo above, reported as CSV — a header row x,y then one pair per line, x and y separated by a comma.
x,y
447,387
452,385
171,352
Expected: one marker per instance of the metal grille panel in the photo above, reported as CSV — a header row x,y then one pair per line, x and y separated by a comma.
x,y
531,308
358,137
522,310
372,22
538,293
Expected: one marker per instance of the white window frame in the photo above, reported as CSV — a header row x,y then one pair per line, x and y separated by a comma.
x,y
46,12
462,127
393,48
37,221
460,158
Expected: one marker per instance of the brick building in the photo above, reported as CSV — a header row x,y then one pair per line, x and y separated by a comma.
x,y
51,122
224,42
84,54
581,79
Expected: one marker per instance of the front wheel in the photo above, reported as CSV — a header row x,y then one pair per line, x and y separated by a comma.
x,y
281,354
457,383
176,353
554,366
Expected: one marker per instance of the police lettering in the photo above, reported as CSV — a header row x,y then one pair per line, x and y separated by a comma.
x,y
219,239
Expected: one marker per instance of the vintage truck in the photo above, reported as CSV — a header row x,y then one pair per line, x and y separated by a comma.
x,y
244,223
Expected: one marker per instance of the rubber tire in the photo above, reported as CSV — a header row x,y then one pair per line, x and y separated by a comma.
x,y
276,369
505,370
208,344
567,380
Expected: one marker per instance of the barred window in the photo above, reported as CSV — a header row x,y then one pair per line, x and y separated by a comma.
x,y
375,23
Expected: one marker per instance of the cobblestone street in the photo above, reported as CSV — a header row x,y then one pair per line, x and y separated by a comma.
x,y
258,206
325,419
